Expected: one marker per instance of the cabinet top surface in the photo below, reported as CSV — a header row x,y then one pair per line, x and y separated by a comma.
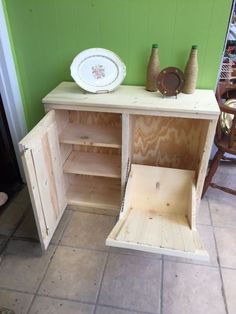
x,y
201,102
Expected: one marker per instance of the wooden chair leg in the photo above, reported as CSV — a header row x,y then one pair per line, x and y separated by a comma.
x,y
213,167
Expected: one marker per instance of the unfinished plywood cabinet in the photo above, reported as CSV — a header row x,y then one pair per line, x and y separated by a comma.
x,y
129,152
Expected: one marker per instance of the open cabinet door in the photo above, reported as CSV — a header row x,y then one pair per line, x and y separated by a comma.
x,y
44,174
158,212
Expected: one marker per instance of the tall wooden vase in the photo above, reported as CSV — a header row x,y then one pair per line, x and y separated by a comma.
x,y
191,72
153,69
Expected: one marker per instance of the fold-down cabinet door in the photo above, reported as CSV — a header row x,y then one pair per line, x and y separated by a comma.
x,y
44,174
158,213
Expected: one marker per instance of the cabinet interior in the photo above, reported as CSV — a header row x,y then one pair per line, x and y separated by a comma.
x,y
90,145
171,142
92,152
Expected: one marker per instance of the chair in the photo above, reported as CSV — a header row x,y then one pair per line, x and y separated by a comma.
x,y
225,143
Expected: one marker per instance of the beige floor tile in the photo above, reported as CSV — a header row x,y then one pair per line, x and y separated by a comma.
x,y
223,208
24,265
203,215
207,237
191,289
28,229
229,279
61,227
16,301
44,305
10,217
132,282
226,243
109,310
225,169
88,230
74,274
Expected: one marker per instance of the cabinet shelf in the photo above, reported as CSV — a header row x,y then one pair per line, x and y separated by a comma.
x,y
94,164
92,135
95,192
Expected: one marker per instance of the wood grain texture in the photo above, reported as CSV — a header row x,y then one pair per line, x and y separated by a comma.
x,y
168,142
94,192
95,118
98,149
95,164
67,95
160,189
155,217
91,135
43,167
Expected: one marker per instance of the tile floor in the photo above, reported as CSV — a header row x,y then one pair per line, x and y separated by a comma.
x,y
79,274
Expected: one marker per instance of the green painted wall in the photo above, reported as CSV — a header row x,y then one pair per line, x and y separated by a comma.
x,y
47,34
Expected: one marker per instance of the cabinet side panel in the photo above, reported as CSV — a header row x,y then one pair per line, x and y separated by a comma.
x,y
166,141
208,132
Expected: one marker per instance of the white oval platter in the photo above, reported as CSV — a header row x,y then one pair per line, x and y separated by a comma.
x,y
98,70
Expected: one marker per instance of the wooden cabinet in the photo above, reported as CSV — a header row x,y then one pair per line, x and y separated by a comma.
x,y
129,152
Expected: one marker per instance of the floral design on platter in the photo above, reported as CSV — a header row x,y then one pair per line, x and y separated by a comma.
x,y
98,71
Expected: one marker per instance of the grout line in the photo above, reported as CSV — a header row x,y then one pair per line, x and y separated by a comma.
x,y
227,267
218,259
162,284
124,309
64,229
40,283
189,263
90,303
64,299
16,290
224,227
100,286
9,237
49,263
83,248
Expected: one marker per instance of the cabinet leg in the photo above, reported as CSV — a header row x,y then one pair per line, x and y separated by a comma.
x,y
213,167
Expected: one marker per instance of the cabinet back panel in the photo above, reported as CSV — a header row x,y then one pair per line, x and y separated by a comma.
x,y
95,149
166,141
84,117
62,119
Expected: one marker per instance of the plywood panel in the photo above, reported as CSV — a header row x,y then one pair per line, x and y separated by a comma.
x,y
168,142
95,118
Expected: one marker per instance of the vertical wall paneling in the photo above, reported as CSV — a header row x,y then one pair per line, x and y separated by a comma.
x,y
47,34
